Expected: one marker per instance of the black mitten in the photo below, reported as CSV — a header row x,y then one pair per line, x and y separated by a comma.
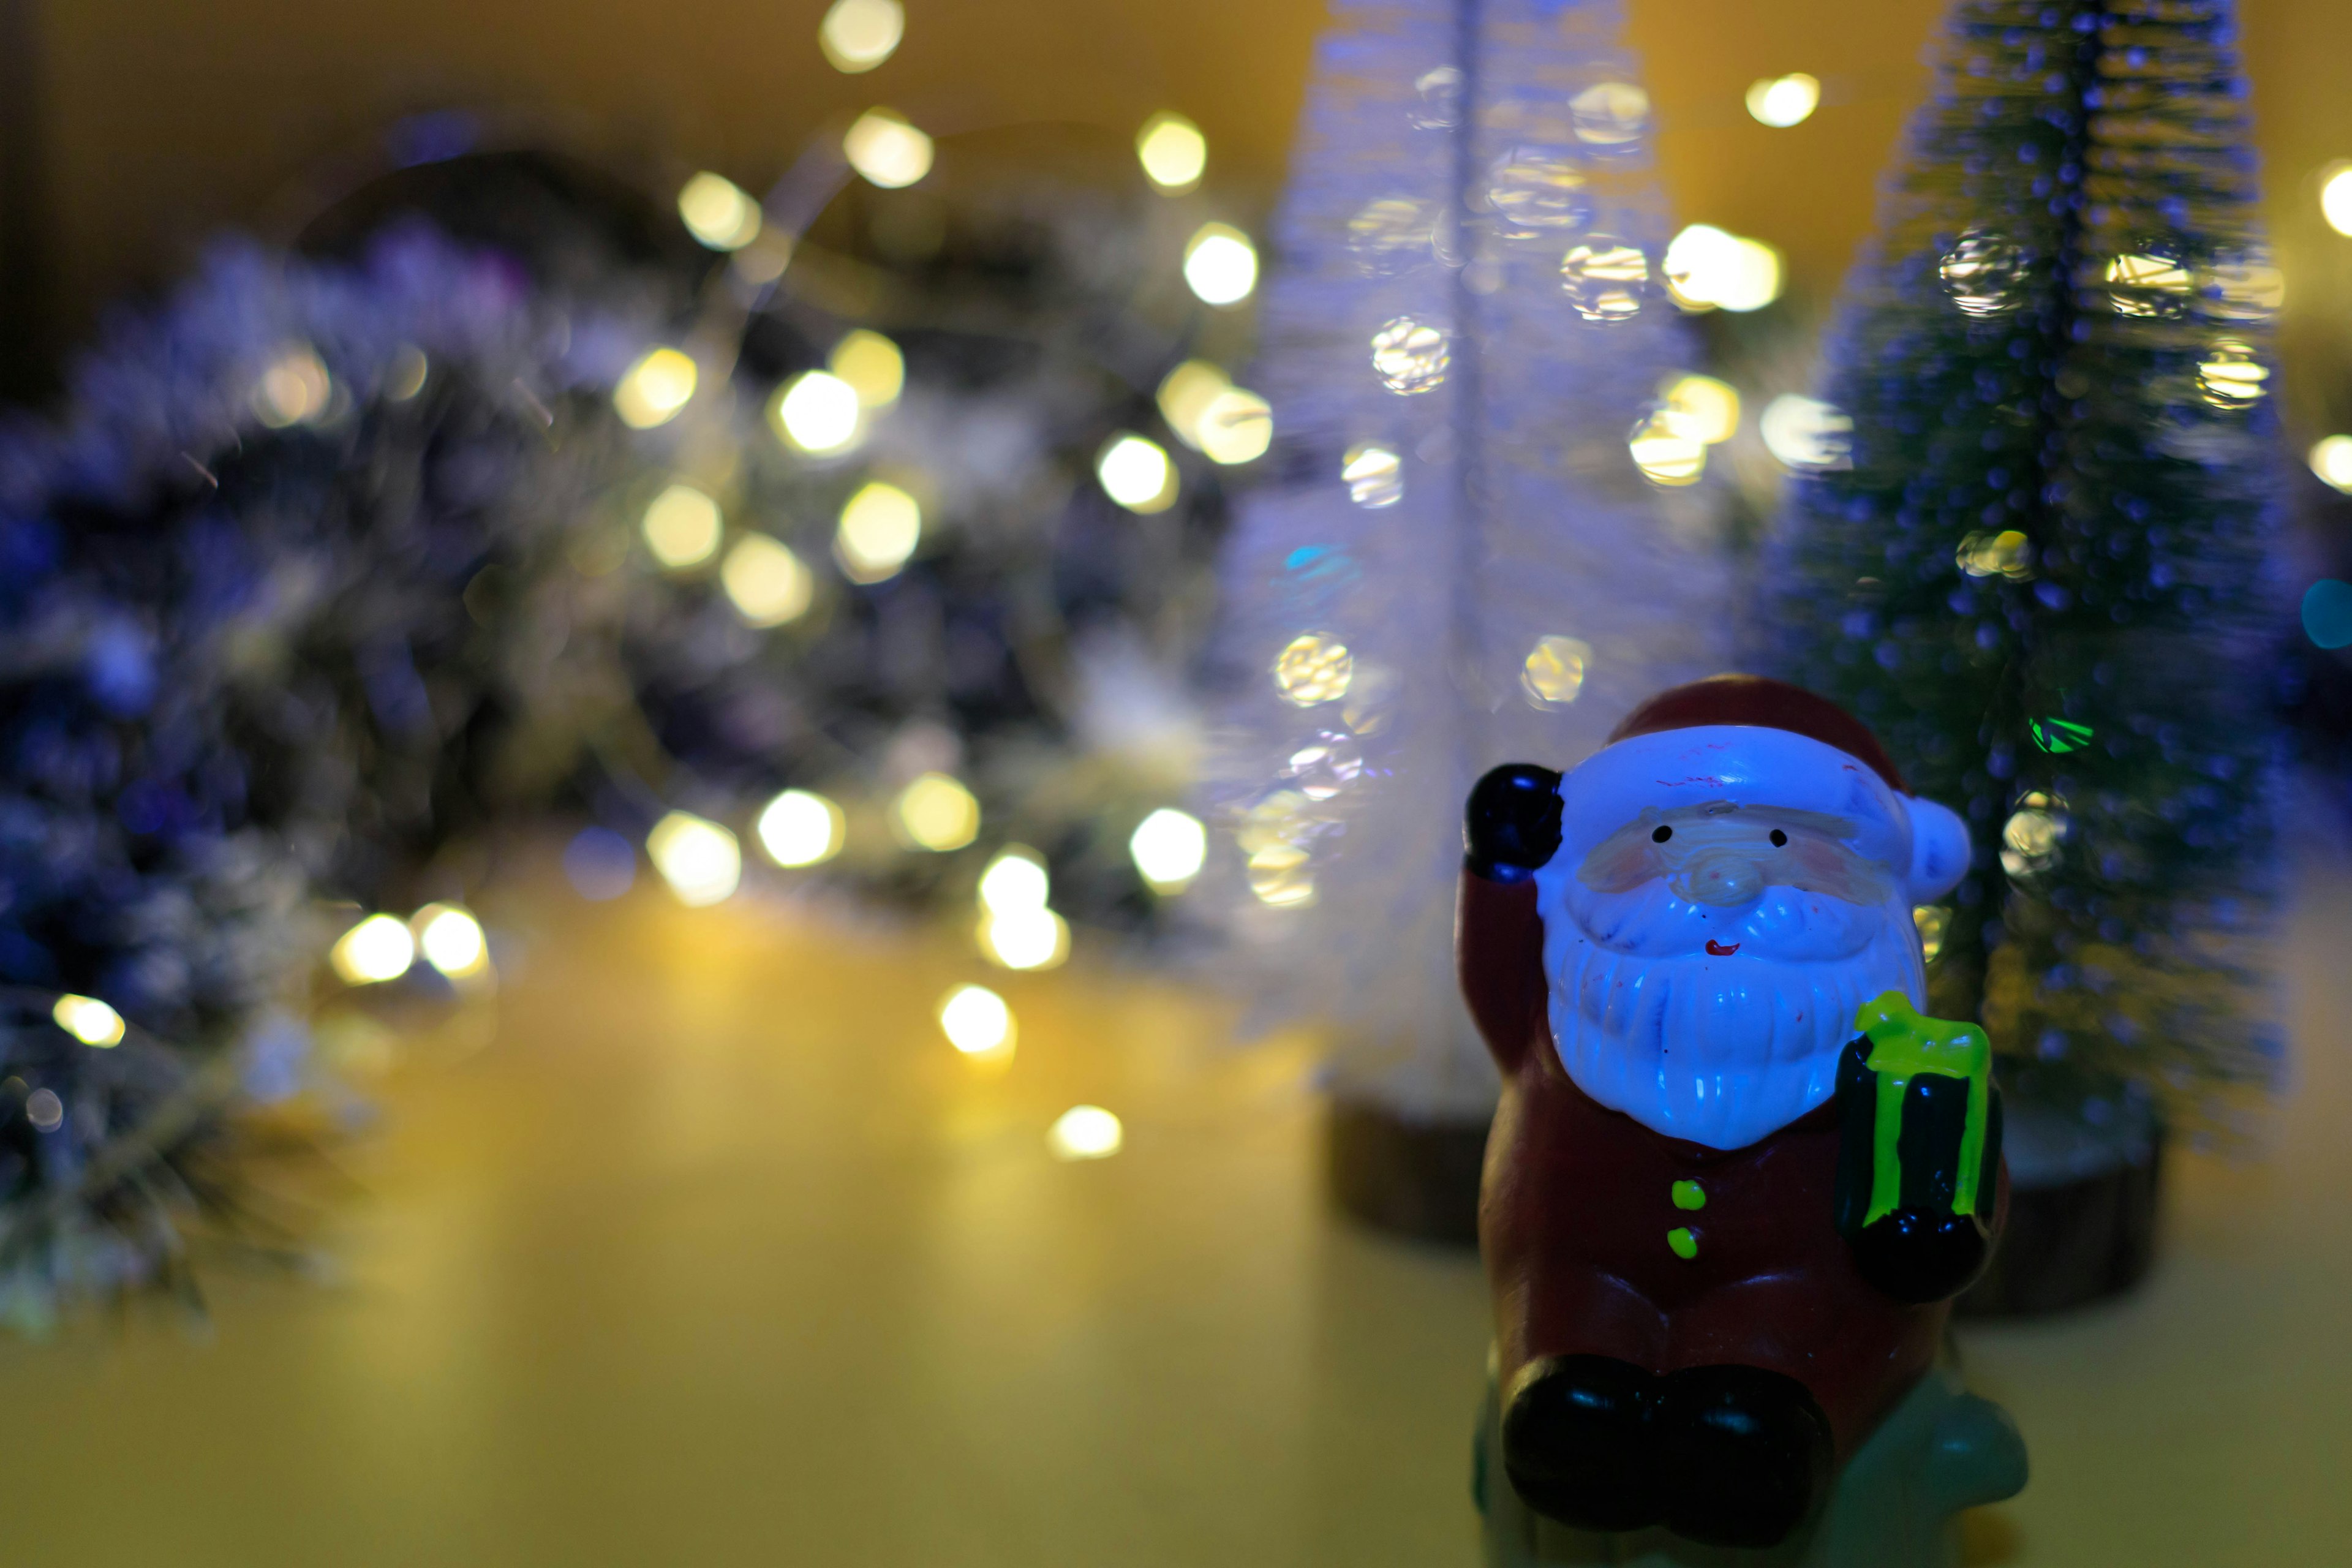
x,y
1512,824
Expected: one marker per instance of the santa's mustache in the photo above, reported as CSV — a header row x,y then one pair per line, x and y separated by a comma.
x,y
1783,924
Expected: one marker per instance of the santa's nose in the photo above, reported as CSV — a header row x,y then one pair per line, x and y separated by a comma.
x,y
1723,877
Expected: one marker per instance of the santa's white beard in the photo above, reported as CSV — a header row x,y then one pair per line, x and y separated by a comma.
x,y
1719,1050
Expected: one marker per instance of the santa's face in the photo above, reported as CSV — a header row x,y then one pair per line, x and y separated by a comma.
x,y
1707,963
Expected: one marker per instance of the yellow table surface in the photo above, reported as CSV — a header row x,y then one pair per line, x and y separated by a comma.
x,y
716,1254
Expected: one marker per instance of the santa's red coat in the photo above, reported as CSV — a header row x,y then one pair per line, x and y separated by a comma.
x,y
1577,1216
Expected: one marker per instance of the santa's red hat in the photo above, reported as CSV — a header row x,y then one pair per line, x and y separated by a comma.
x,y
1752,741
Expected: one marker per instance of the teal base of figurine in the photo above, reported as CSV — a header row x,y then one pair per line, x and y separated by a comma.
x,y
1895,1504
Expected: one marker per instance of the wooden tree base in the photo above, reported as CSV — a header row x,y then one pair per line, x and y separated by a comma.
x,y
1416,1179
2070,1244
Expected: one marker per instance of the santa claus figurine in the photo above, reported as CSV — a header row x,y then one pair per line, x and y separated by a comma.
x,y
1736,1178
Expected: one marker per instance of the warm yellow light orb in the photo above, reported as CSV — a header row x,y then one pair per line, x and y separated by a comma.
x,y
1374,475
294,390
1135,472
1024,939
1703,408
699,858
880,526
871,366
1014,881
2336,198
1807,434
890,153
717,212
765,580
1169,847
1236,428
654,388
2331,459
377,949
1782,101
935,812
1708,268
451,939
88,1020
1219,264
1313,668
1174,152
682,527
1281,877
1085,1132
858,35
801,828
816,412
1185,393
976,1021
406,376
1553,673
1665,454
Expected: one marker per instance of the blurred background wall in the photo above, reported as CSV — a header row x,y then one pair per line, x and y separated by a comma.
x,y
134,129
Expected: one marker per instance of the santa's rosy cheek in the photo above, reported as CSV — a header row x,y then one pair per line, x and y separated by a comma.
x,y
1618,867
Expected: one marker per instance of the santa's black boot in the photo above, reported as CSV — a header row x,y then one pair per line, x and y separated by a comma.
x,y
1576,1441
1744,1454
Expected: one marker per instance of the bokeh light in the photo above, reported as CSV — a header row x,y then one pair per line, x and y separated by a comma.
x,y
858,35
765,580
1702,408
404,377
1610,113
871,366
1806,434
1281,877
880,526
451,939
1603,279
1665,452
1024,939
1782,101
2147,285
377,949
1219,264
654,389
1168,847
1553,673
1015,881
88,1020
1707,267
1409,356
2331,459
1185,394
1374,475
1236,428
1932,921
293,390
801,828
890,153
717,212
2336,198
1986,554
1085,1132
1173,152
816,412
2231,375
699,858
1135,472
2327,613
935,811
976,1021
682,527
1313,668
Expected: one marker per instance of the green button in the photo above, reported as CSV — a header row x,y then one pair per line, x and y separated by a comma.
x,y
1689,1196
1685,1244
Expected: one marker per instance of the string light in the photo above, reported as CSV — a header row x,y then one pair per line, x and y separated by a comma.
x,y
1603,279
654,389
890,153
935,812
378,949
1782,101
699,858
880,526
765,580
1807,434
1085,1132
1610,114
718,213
1168,847
1236,428
1219,264
88,1020
2231,376
816,411
1374,475
2147,285
1409,356
1135,471
1313,668
858,35
871,366
2336,198
1665,452
294,389
1553,673
2331,459
682,527
1707,267
1702,408
1024,939
1173,152
1185,394
801,828
977,1021
451,939
1016,881
1279,877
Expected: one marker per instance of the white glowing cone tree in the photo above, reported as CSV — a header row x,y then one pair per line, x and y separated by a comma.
x,y
1486,545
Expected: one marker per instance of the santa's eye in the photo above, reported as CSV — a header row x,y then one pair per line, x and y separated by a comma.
x,y
1661,835
1779,839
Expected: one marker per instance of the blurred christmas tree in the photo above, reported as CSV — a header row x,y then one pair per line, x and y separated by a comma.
x,y
2031,552
1480,549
